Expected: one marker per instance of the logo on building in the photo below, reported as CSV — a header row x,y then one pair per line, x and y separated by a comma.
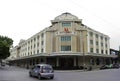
x,y
66,30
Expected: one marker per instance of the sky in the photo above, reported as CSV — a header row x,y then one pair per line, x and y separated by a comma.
x,y
21,19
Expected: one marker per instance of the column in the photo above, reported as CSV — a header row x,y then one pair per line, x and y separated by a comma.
x,y
45,60
88,40
99,44
104,48
94,43
81,48
57,62
74,61
108,46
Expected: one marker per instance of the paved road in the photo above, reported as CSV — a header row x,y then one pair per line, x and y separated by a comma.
x,y
19,74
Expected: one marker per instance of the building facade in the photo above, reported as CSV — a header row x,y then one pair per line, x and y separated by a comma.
x,y
67,43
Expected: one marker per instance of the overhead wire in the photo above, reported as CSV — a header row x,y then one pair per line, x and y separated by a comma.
x,y
93,14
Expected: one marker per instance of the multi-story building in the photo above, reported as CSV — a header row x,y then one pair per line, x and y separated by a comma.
x,y
66,43
13,53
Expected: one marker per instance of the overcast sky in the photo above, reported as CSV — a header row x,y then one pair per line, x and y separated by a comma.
x,y
20,19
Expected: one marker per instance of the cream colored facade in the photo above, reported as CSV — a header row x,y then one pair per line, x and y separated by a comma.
x,y
67,37
13,53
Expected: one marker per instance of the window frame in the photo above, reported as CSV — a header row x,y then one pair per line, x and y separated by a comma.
x,y
66,24
65,47
65,38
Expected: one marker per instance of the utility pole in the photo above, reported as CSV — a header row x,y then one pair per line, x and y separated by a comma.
x,y
83,49
82,36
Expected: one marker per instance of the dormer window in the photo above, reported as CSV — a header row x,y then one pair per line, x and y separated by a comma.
x,y
66,24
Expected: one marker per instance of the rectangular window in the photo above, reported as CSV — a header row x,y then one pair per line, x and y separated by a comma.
x,y
42,42
65,48
65,38
38,37
106,52
34,39
42,35
101,44
34,45
91,34
96,43
66,24
42,50
101,38
102,51
91,42
97,36
97,50
106,39
91,50
37,51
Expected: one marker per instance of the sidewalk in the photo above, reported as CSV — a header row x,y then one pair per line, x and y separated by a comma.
x,y
75,70
58,71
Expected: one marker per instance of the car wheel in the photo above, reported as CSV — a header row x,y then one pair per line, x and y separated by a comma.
x,y
52,77
39,77
30,74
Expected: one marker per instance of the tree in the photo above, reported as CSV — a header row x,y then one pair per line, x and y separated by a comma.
x,y
5,44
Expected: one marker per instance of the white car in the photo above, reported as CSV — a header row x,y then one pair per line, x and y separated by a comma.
x,y
42,71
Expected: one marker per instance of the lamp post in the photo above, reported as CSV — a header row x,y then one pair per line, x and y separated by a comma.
x,y
83,55
82,44
83,50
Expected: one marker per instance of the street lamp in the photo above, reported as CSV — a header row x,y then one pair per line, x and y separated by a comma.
x,y
83,50
82,44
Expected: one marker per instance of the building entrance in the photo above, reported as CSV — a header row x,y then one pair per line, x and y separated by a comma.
x,y
66,63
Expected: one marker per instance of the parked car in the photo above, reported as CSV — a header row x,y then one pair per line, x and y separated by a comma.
x,y
116,66
42,71
106,67
110,66
2,64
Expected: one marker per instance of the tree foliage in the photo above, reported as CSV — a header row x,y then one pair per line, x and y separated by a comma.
x,y
5,44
